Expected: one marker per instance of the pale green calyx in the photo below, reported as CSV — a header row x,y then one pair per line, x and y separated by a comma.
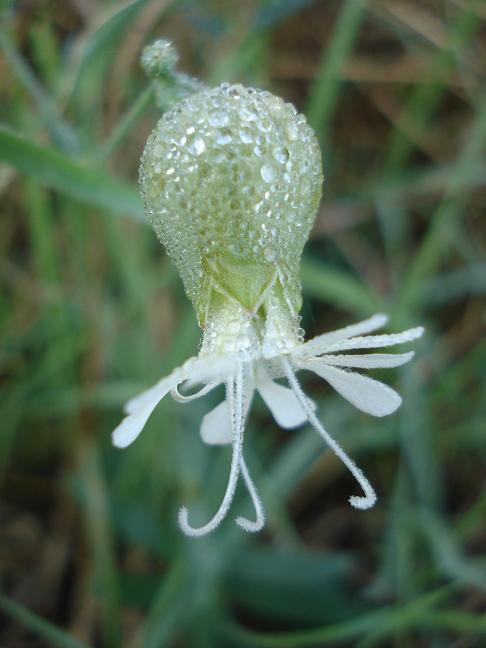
x,y
231,179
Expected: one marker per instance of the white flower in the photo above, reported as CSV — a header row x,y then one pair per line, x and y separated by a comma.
x,y
231,179
254,367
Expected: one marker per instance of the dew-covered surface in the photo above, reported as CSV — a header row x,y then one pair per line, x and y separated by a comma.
x,y
232,179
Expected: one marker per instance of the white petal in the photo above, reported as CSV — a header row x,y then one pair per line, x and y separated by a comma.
x,y
282,402
140,401
368,395
183,398
133,424
376,341
320,344
216,425
202,369
368,361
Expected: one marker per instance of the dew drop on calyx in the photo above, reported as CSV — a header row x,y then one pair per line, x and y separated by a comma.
x,y
281,154
268,173
218,118
198,146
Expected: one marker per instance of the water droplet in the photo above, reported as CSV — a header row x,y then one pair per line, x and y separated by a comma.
x,y
223,136
246,136
268,173
218,118
292,132
269,254
247,115
264,124
235,91
281,154
198,146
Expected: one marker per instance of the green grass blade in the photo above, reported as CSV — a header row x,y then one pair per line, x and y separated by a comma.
x,y
325,90
53,635
99,48
382,623
424,99
61,133
58,172
444,221
98,523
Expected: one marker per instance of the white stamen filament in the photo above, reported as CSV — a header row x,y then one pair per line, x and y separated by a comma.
x,y
357,501
234,394
244,523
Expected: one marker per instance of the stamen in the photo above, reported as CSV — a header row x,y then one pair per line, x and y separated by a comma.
x,y
181,398
355,500
234,394
244,523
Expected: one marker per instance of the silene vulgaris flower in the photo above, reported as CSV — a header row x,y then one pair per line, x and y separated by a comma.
x,y
231,179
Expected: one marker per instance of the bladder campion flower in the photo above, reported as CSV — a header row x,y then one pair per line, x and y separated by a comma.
x,y
231,179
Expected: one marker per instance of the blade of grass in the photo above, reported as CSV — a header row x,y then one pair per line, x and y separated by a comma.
x,y
53,635
444,220
85,74
97,516
62,134
448,551
424,98
324,92
58,172
383,622
167,610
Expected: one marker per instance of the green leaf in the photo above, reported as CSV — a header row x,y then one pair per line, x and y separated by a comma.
x,y
294,586
62,174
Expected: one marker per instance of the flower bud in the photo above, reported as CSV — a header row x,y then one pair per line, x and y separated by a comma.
x,y
231,179
159,58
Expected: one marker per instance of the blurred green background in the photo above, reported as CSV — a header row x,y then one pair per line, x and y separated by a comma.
x,y
91,311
